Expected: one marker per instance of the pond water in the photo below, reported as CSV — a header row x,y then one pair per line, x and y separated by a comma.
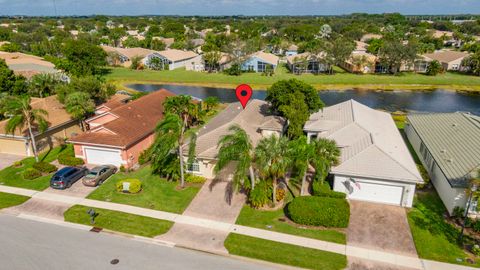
x,y
423,101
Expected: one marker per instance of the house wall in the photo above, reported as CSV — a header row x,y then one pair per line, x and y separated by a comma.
x,y
253,63
205,167
195,64
451,197
180,64
454,65
131,154
408,189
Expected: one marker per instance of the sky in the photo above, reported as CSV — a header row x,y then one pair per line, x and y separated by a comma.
x,y
234,7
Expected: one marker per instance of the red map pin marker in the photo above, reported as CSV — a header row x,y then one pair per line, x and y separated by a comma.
x,y
244,93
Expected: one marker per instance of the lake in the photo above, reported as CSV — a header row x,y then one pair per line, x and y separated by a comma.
x,y
422,101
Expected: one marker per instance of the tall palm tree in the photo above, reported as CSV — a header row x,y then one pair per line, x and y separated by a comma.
x,y
169,140
302,155
42,85
236,147
79,105
22,114
327,155
184,107
273,159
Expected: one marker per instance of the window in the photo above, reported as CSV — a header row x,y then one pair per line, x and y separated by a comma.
x,y
194,166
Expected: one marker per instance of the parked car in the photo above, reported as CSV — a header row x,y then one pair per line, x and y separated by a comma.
x,y
65,177
98,175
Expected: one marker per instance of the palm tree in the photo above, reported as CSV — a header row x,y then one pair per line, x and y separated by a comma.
x,y
273,159
236,147
359,63
302,155
22,114
168,146
79,105
184,107
42,85
327,155
210,103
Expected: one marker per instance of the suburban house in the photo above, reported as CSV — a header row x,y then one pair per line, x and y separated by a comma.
x,y
375,164
254,119
307,63
291,50
260,61
450,60
125,55
224,62
119,136
60,126
115,101
167,41
448,145
29,65
360,61
175,58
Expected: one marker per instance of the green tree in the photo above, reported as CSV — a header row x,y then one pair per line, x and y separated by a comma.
x,y
136,63
296,111
273,160
9,82
394,53
374,45
43,85
79,105
81,58
23,115
327,155
212,60
302,155
236,147
472,63
210,103
98,90
184,107
434,68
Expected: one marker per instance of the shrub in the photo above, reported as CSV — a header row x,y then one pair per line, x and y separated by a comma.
x,y
319,211
234,70
122,168
135,185
476,250
18,163
260,195
458,212
323,190
44,167
31,173
190,178
476,226
69,160
143,157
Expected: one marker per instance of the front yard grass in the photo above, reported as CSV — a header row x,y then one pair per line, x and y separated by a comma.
x,y
9,200
261,219
434,238
119,221
284,253
157,193
13,176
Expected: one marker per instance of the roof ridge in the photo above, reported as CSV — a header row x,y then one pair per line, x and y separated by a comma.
x,y
396,161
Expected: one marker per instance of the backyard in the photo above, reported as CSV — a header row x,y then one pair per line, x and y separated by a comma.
x,y
340,80
157,193
119,221
13,175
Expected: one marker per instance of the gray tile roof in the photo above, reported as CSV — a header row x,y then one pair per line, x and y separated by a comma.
x,y
371,145
453,139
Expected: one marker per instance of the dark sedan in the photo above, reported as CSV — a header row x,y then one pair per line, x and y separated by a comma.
x,y
98,175
65,177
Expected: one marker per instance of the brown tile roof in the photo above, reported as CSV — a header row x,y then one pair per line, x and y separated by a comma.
x,y
57,114
129,52
446,56
135,121
115,101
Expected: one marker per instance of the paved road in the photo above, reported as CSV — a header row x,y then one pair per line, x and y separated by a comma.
x,y
32,245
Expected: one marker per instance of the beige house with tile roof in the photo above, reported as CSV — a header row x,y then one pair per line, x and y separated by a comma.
x,y
307,63
450,60
126,55
177,59
254,119
26,64
375,164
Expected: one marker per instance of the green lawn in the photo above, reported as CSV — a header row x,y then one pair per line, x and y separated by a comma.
x,y
157,193
119,221
284,253
260,219
340,80
9,200
12,176
434,238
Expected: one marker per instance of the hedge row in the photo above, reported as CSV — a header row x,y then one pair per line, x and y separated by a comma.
x,y
44,167
31,173
69,160
323,190
319,211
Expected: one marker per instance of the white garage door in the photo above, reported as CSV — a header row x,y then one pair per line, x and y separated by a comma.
x,y
376,193
103,156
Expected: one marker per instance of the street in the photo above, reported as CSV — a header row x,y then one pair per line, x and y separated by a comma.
x,y
26,244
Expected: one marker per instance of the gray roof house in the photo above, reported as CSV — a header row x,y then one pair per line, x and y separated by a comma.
x,y
255,119
448,144
375,164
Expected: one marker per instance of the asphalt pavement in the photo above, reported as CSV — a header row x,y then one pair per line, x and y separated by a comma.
x,y
27,244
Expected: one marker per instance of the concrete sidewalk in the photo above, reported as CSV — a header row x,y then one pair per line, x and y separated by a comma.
x,y
348,250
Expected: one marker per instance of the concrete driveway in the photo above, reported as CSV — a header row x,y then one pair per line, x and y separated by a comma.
x,y
76,190
8,159
381,227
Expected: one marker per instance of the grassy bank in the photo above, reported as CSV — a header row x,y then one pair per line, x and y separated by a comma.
x,y
119,221
340,80
9,200
284,253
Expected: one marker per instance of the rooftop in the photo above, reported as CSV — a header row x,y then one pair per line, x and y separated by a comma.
x,y
177,55
446,56
267,57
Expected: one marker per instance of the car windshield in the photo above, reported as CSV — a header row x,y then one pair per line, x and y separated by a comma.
x,y
91,175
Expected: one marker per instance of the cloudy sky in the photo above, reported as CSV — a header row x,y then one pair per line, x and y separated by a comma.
x,y
235,7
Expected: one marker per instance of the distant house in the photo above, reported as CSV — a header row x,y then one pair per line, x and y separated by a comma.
x,y
368,37
60,126
195,64
125,55
307,63
260,61
448,145
167,41
360,61
176,59
255,119
29,65
224,62
450,60
291,50
118,136
375,164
